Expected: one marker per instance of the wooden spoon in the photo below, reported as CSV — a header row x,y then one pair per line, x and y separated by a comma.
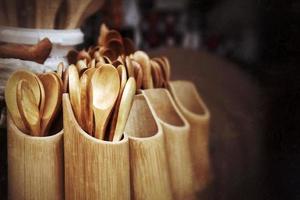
x,y
53,95
86,101
10,94
75,9
74,91
123,77
60,70
124,108
28,106
105,84
46,12
143,59
138,74
103,32
128,65
116,46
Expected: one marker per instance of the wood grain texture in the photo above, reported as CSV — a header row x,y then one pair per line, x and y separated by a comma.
x,y
197,114
148,162
176,132
35,165
94,169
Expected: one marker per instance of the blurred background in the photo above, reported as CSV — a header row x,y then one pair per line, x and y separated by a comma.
x,y
255,41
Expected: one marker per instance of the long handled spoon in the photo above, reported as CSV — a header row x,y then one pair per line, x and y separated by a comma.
x,y
28,107
53,94
105,84
123,77
10,94
124,108
74,91
86,100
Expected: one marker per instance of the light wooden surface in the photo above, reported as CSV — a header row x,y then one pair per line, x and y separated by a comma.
x,y
94,169
148,162
35,165
176,133
197,114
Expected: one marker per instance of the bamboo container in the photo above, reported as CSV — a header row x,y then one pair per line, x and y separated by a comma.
x,y
35,165
94,169
197,114
148,163
176,131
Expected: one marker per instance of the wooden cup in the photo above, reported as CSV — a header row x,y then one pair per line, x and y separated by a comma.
x,y
148,163
35,165
94,169
176,131
197,114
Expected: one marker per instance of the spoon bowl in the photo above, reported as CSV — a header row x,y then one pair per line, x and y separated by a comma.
x,y
105,84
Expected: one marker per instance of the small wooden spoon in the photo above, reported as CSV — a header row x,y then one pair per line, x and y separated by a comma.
x,y
143,59
103,32
124,108
74,91
60,70
129,67
123,77
53,95
116,46
86,101
28,107
10,94
105,84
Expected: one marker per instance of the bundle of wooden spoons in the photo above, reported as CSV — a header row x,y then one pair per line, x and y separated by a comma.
x,y
33,101
114,49
101,96
103,80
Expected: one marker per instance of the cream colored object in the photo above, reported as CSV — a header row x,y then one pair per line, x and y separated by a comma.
x,y
195,111
148,162
94,169
176,130
35,165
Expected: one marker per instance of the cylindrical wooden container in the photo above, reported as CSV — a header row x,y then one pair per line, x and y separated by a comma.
x,y
148,163
197,114
176,131
35,165
94,169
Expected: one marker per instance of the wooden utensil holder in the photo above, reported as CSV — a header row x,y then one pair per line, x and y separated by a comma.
x,y
197,114
148,162
94,169
35,165
176,131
